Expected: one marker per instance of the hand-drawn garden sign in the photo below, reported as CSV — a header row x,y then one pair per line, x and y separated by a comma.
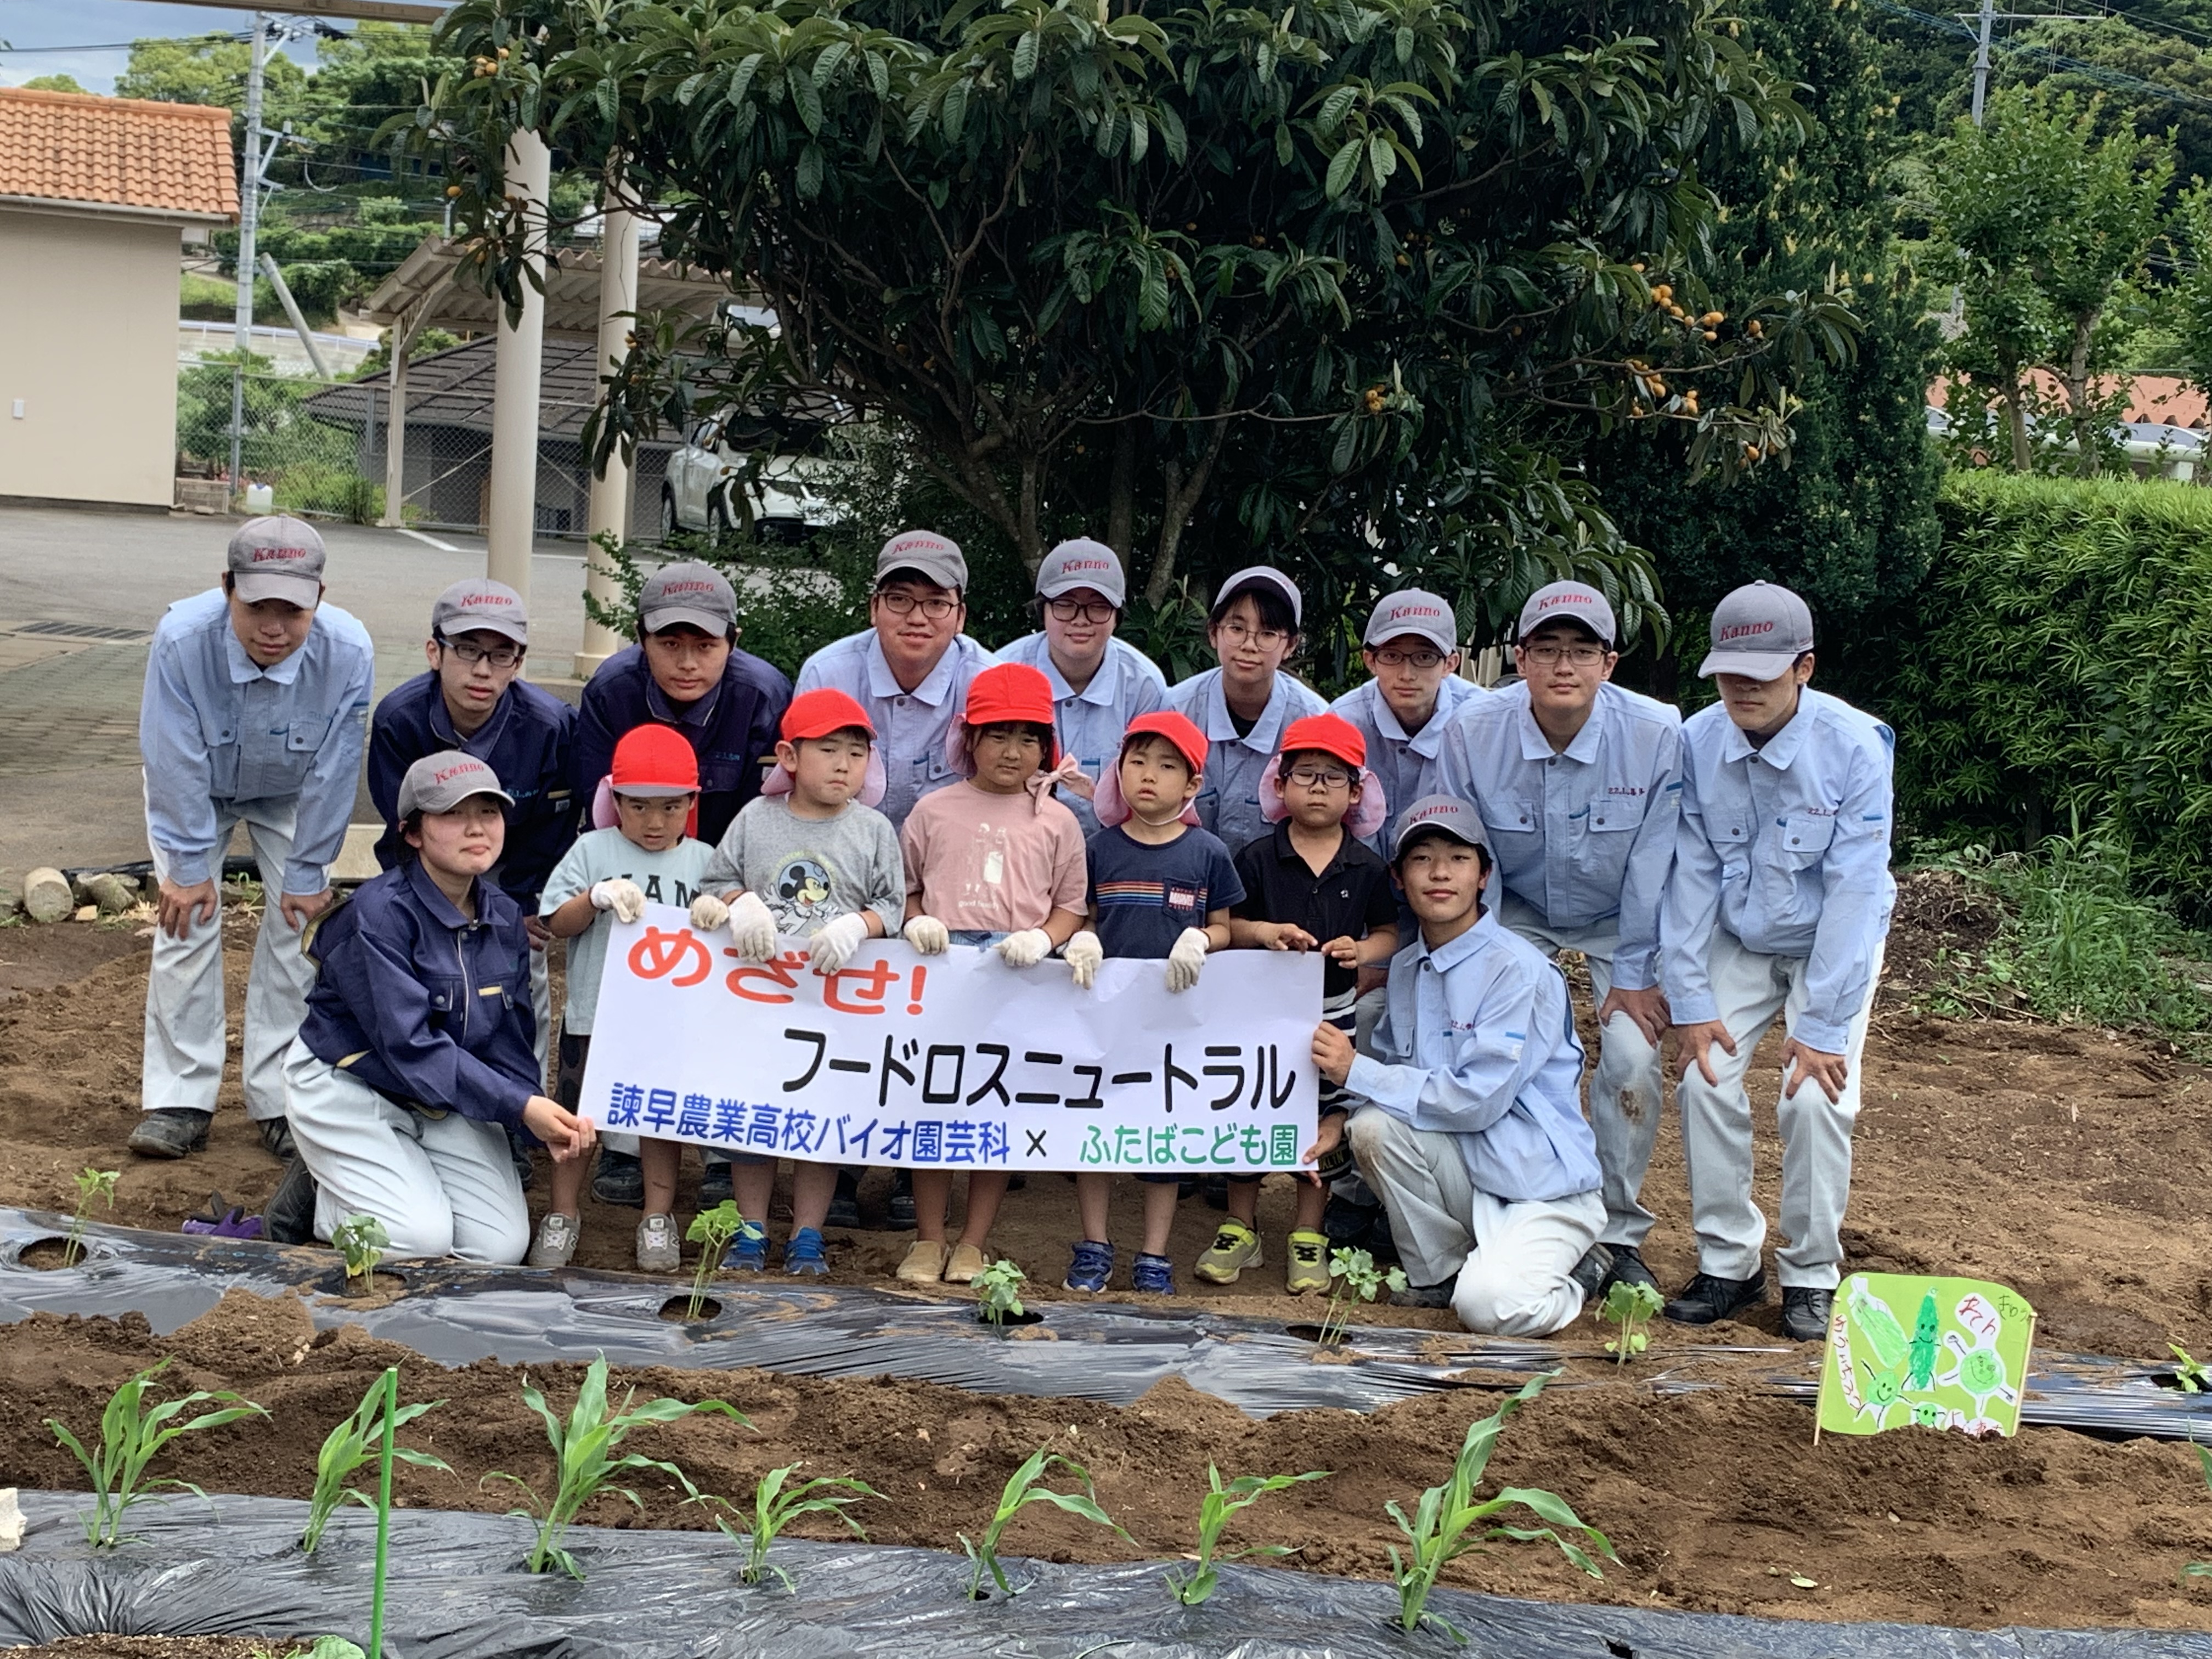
x,y
1933,1353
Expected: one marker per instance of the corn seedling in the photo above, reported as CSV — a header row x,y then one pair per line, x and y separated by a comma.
x,y
362,1241
2190,1375
349,1446
1021,1491
584,1462
712,1231
91,1184
1214,1510
131,1437
1354,1278
1630,1307
2201,1569
998,1293
1448,1523
777,1503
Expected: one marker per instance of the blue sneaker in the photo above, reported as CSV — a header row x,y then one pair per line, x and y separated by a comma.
x,y
1092,1266
1154,1275
748,1251
802,1254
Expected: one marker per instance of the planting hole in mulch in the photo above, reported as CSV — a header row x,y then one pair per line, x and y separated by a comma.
x,y
51,1254
384,1285
1027,1316
677,1310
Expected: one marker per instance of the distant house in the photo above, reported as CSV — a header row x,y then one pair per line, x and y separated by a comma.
x,y
96,197
2161,431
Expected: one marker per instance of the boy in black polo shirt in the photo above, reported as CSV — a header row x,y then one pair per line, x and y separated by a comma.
x,y
1311,885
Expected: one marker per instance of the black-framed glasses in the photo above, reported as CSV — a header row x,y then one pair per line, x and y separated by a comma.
x,y
1093,611
1548,656
1308,777
499,656
1266,638
1423,660
900,603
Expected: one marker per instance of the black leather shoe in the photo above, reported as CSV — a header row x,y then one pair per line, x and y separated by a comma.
x,y
276,1137
1628,1268
1805,1313
169,1132
1346,1224
845,1202
898,1214
714,1184
619,1179
1706,1299
1593,1271
289,1217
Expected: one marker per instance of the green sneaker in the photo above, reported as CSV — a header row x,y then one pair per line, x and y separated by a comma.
x,y
1308,1266
1235,1248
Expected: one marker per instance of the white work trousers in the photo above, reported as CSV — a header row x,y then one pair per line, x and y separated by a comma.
x,y
184,1029
1512,1261
442,1186
1626,1085
1750,990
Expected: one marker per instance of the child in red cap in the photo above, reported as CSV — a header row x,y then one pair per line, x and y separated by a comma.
x,y
646,856
1311,884
1161,887
996,860
810,857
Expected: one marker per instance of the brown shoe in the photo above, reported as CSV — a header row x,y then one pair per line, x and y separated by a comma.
x,y
924,1263
967,1262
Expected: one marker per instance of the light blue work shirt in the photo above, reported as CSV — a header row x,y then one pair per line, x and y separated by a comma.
x,y
1091,721
1229,801
1584,836
215,727
1787,847
1405,766
910,725
1477,1040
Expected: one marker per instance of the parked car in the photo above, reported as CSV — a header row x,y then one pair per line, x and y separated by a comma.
x,y
702,473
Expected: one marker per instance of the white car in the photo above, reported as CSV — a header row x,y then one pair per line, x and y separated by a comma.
x,y
703,470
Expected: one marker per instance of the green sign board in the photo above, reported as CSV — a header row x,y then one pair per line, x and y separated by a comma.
x,y
1934,1353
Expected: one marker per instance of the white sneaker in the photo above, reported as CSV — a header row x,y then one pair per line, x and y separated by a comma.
x,y
555,1242
659,1249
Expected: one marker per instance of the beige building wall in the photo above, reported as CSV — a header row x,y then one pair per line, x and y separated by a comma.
x,y
87,357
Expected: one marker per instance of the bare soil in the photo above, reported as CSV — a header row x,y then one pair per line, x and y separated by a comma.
x,y
160,1647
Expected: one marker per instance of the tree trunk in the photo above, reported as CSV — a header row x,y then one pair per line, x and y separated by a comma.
x,y
2077,392
1179,501
2016,424
1121,492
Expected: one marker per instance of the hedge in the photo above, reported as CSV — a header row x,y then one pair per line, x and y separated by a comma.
x,y
2057,672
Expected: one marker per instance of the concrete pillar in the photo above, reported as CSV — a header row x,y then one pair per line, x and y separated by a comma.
x,y
395,426
610,495
519,361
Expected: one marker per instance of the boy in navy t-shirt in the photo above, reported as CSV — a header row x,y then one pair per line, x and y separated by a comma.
x,y
1160,888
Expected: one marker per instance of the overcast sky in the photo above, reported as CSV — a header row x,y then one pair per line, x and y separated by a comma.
x,y
79,25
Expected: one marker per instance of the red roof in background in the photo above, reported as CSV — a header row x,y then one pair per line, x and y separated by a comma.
x,y
120,152
2166,398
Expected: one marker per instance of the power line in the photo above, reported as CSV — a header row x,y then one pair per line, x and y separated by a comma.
x,y
2116,79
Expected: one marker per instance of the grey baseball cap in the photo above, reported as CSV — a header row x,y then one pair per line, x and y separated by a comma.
x,y
1413,610
276,558
688,594
1576,602
926,554
1267,576
467,606
1081,563
1448,813
1759,631
441,782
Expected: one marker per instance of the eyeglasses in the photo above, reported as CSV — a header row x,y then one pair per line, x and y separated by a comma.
x,y
1550,656
1266,638
1307,778
499,656
1423,660
1093,611
900,603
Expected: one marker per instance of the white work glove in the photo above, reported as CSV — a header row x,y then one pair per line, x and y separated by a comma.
x,y
620,895
1083,953
1187,958
752,928
928,935
709,913
834,945
1025,948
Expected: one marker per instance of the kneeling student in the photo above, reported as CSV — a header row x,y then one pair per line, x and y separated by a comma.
x,y
1472,1133
415,1053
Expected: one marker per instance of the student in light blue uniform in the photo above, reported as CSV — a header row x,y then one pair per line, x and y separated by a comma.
x,y
1243,705
1099,683
256,701
1578,782
1779,905
1411,652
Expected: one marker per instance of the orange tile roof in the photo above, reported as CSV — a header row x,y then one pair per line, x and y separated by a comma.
x,y
124,152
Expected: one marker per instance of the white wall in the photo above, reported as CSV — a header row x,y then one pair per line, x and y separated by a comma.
x,y
88,343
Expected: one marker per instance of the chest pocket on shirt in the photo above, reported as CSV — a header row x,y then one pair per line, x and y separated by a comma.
x,y
719,774
446,992
1617,814
1512,815
219,735
305,736
1804,836
931,767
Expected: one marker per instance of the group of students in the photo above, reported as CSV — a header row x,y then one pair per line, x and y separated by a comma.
x,y
1437,843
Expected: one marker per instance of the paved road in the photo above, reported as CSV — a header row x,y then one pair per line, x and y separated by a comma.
x,y
80,594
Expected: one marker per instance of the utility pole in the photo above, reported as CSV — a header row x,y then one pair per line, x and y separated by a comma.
x,y
1987,16
1990,15
251,165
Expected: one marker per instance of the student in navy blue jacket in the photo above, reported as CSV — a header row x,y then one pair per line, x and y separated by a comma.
x,y
416,1054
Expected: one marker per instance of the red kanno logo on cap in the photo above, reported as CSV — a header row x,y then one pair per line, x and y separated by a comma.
x,y
466,770
1085,564
687,587
1739,630
476,600
1397,612
263,554
917,543
1567,598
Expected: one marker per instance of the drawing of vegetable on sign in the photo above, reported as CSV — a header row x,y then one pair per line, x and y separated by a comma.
x,y
1962,1366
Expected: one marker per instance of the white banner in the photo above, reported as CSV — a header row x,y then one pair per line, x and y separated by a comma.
x,y
954,1061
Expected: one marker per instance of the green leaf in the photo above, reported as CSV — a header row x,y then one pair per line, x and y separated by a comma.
x,y
1341,169
1025,55
806,97
808,173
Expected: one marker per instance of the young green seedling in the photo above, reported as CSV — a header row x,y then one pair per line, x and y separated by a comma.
x,y
91,1184
1214,1510
1355,1277
1448,1523
998,1293
712,1231
362,1241
2200,1569
2190,1375
1021,1491
349,1446
131,1437
584,1462
1630,1307
777,1503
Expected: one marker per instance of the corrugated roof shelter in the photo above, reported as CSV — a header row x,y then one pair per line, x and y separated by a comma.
x,y
96,197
